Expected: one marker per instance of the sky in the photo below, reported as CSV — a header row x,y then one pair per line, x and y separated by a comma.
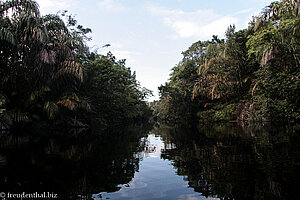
x,y
152,34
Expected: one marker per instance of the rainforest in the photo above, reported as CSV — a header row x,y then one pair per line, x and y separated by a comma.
x,y
251,76
48,73
77,124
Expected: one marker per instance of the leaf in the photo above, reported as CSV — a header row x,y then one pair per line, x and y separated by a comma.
x,y
73,68
8,36
51,108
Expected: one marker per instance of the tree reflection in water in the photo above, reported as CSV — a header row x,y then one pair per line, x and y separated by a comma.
x,y
73,166
234,163
224,161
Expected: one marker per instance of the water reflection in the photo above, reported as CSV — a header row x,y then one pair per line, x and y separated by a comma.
x,y
231,163
156,178
74,167
220,162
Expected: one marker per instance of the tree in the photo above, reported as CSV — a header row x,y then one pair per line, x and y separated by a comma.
x,y
112,88
252,72
39,66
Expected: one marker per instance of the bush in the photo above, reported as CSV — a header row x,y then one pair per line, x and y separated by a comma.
x,y
222,115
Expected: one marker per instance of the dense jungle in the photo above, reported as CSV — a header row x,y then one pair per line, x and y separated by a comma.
x,y
77,124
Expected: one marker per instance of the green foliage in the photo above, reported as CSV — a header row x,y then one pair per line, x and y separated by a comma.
x,y
269,109
221,114
225,114
258,67
113,90
1,109
48,73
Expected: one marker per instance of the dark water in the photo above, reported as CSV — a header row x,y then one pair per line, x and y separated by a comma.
x,y
217,162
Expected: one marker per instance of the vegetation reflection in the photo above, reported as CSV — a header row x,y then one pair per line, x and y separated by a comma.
x,y
71,166
233,163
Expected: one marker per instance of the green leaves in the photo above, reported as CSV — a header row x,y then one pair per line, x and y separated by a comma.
x,y
7,36
40,58
115,94
258,65
49,73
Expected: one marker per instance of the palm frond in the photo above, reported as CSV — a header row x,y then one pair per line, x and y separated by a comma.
x,y
39,93
254,87
47,57
28,6
73,68
51,109
85,104
7,36
70,101
15,116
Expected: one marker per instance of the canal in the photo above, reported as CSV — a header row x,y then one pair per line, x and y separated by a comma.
x,y
214,162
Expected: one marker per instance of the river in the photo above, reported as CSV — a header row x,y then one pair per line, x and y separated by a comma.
x,y
214,162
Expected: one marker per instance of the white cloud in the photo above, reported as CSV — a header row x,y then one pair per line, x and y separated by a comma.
x,y
53,6
243,11
201,24
111,5
123,54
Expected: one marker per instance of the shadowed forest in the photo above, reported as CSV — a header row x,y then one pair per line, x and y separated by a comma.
x,y
77,123
250,76
48,73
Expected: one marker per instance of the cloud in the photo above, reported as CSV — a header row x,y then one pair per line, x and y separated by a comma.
x,y
201,24
129,56
244,11
111,5
121,54
53,6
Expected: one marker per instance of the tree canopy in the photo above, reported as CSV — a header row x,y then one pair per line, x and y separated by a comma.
x,y
250,76
48,73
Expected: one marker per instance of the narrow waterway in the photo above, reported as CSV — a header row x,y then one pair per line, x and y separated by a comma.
x,y
213,162
156,177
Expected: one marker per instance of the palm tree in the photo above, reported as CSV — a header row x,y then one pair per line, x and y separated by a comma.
x,y
36,54
278,29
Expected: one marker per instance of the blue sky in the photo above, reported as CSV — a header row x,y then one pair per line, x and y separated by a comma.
x,y
151,34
